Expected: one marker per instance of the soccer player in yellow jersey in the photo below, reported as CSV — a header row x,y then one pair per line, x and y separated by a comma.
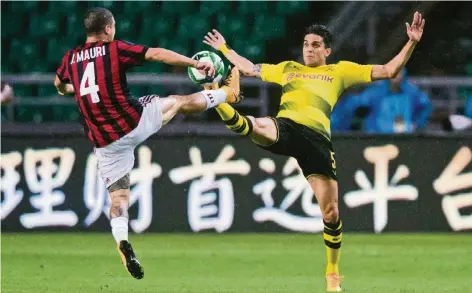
x,y
302,126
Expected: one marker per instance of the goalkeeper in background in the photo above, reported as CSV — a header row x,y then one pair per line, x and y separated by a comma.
x,y
302,126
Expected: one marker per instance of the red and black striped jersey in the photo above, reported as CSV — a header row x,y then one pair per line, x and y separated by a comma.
x,y
98,73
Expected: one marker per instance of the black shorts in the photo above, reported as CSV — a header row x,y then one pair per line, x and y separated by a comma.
x,y
313,151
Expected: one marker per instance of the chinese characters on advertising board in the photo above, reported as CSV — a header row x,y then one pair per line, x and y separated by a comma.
x,y
230,185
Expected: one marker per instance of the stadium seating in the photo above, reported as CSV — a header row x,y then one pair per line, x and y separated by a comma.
x,y
290,7
155,26
65,113
268,27
51,28
233,26
248,7
19,6
209,8
34,113
126,26
179,8
191,27
25,91
44,25
36,34
178,25
47,91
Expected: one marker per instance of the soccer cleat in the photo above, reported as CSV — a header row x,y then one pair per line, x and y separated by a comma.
x,y
231,87
333,283
129,259
214,86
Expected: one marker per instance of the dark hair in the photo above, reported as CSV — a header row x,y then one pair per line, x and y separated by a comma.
x,y
322,31
96,19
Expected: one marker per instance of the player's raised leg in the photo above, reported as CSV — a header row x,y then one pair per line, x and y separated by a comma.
x,y
201,101
119,195
326,192
262,131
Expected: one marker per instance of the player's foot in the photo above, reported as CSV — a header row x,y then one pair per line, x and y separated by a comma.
x,y
129,259
333,283
231,87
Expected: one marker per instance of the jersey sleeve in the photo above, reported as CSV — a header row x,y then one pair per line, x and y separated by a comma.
x,y
273,73
131,54
353,73
63,72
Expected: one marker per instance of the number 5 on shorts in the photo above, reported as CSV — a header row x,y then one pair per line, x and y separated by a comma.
x,y
333,164
89,78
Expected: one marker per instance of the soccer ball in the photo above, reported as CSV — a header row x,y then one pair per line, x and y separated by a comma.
x,y
199,77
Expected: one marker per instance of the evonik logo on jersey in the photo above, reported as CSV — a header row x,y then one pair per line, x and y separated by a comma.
x,y
322,77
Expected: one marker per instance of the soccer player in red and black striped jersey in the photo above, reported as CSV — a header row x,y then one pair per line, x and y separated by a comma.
x,y
115,122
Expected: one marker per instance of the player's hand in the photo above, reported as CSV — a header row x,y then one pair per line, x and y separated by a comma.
x,y
206,68
415,31
214,39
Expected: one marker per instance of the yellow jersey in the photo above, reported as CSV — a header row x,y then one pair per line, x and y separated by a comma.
x,y
310,93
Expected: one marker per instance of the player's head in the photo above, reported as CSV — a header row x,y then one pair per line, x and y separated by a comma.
x,y
100,22
316,45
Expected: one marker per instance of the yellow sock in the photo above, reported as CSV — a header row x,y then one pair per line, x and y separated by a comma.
x,y
333,235
226,111
233,120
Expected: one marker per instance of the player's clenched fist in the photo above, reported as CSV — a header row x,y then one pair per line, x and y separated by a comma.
x,y
206,68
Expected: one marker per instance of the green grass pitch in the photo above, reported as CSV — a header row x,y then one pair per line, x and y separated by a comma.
x,y
207,263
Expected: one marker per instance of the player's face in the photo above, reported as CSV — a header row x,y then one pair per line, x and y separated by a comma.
x,y
314,50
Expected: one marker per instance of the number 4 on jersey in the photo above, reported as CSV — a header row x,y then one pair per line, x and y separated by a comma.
x,y
89,78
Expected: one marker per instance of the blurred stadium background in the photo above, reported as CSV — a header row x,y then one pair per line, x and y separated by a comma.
x,y
420,194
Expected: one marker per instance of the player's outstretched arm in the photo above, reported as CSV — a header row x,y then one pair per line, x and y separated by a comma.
x,y
63,88
217,41
392,68
173,58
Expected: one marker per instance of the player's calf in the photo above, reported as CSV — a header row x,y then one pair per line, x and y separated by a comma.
x,y
234,121
326,192
263,131
119,194
194,103
332,235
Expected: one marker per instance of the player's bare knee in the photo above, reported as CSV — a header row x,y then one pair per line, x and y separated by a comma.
x,y
331,213
256,124
175,101
170,107
259,123
264,131
122,183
